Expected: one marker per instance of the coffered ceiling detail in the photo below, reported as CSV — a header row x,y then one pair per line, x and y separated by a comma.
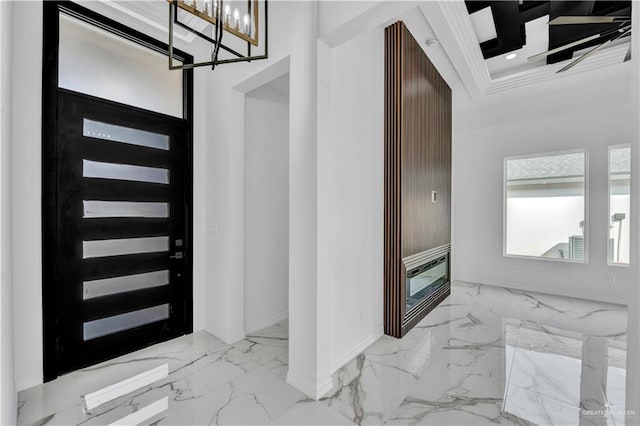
x,y
478,36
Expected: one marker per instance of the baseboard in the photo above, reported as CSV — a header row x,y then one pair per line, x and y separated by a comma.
x,y
307,386
266,322
547,290
227,336
235,336
351,354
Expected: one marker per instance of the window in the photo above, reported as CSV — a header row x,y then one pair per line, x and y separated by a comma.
x,y
619,204
99,63
545,206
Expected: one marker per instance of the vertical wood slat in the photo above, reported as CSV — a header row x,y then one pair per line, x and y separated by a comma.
x,y
393,68
417,161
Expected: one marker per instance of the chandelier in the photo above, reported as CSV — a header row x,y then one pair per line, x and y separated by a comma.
x,y
243,23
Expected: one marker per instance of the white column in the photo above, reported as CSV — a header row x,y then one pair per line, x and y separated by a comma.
x,y
7,381
26,196
306,333
633,325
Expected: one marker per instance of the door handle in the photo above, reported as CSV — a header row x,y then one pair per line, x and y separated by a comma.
x,y
178,255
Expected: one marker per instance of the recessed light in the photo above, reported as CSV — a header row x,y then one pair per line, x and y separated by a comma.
x,y
432,42
510,56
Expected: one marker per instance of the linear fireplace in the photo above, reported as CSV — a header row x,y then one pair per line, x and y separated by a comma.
x,y
426,283
425,280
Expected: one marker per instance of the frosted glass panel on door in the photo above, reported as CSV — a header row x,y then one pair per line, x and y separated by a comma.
x,y
111,132
122,322
101,248
94,209
96,169
98,63
115,285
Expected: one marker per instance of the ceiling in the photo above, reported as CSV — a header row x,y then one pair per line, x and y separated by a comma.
x,y
472,46
461,39
520,28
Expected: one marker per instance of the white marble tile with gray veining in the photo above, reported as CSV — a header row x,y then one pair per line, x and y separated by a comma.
x,y
523,358
486,355
370,387
268,348
256,398
198,363
63,396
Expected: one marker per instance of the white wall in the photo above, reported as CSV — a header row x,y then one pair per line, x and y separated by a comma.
x,y
200,191
332,14
350,192
633,319
26,192
266,201
7,375
545,118
225,233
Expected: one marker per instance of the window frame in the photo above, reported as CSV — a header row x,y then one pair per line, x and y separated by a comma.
x,y
584,151
608,218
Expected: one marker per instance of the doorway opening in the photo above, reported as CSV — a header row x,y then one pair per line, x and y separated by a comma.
x,y
117,191
266,218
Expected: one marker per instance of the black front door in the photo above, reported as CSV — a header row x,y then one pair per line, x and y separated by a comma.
x,y
121,273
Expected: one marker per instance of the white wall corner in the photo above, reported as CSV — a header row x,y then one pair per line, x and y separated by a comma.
x,y
266,195
264,76
361,18
266,322
201,219
305,341
314,388
235,289
341,361
228,336
350,204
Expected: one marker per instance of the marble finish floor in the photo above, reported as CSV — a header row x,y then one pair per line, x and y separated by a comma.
x,y
486,355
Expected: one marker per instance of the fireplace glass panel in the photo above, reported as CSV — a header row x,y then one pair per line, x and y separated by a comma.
x,y
424,280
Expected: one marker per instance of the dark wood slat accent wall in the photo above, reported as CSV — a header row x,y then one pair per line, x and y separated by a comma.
x,y
392,211
426,152
417,162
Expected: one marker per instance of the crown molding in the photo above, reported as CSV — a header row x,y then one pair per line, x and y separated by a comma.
x,y
607,57
457,18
